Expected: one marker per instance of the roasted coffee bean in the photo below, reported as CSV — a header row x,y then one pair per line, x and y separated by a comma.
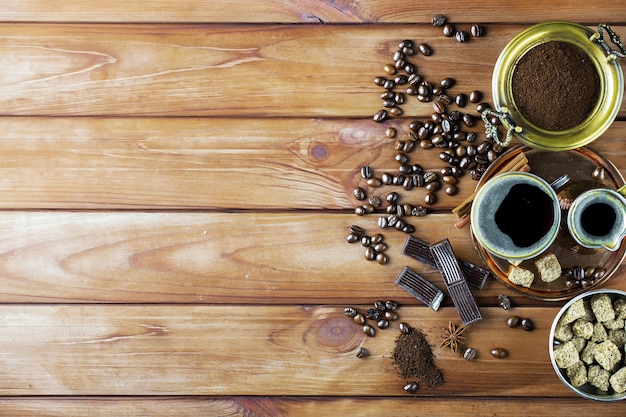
x,y
381,116
352,238
482,107
406,43
457,171
527,324
359,318
373,314
389,103
366,241
447,82
399,224
391,315
599,273
445,99
398,180
471,137
383,223
362,353
374,182
408,184
454,115
477,31
380,247
430,176
439,107
391,305
392,220
390,69
586,282
475,174
451,189
448,30
414,79
377,238
400,64
368,208
599,173
504,301
425,49
349,312
369,330
411,387
462,36
387,95
392,208
357,230
401,158
514,321
409,68
449,179
404,328
438,20
369,254
400,210
400,80
379,81
408,229
395,111
386,178
382,324
359,211
419,211
469,354
430,198
475,96
374,201
499,353
380,305
392,197
433,186
461,100
468,119
572,283
409,145
359,193
389,85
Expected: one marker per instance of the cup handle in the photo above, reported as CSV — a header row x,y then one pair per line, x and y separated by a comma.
x,y
492,131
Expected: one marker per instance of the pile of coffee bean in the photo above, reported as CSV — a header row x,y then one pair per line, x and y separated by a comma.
x,y
375,246
578,276
459,148
379,316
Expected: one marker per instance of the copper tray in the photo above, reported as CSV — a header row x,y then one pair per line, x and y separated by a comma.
x,y
579,165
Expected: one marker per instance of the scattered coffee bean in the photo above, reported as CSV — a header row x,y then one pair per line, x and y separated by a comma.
x,y
514,321
404,328
469,354
527,324
349,312
475,96
391,132
359,193
362,353
461,100
391,305
382,323
391,315
425,49
369,330
411,387
438,20
599,173
461,36
504,301
499,353
448,30
359,318
477,31
381,116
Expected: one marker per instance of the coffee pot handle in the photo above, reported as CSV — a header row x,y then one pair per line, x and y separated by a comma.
x,y
615,39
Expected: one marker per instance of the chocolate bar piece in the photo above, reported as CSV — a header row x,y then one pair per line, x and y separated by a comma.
x,y
420,251
420,288
452,275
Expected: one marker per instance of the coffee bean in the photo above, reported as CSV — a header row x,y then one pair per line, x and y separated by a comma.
x,y
380,247
415,79
433,186
359,193
401,158
359,318
362,353
500,353
396,111
514,321
374,201
390,69
374,182
352,238
407,43
430,198
411,387
381,116
461,100
349,312
462,36
447,83
477,31
475,96
439,107
438,20
383,223
469,354
366,241
505,302
369,330
389,85
379,81
527,325
425,49
468,119
482,107
382,324
451,189
448,30
359,211
369,254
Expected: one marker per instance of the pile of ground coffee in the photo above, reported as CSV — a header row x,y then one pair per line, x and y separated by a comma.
x,y
555,85
414,359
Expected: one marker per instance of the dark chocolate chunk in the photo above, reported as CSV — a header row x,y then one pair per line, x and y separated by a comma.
x,y
420,251
458,288
420,288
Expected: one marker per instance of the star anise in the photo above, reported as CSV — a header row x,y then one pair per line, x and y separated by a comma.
x,y
453,337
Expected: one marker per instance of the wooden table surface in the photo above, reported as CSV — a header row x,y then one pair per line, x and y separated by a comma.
x,y
176,186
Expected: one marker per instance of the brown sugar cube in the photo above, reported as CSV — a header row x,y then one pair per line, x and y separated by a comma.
x,y
617,336
549,268
579,343
521,276
563,331
574,312
577,374
599,333
619,306
607,354
614,324
602,307
583,328
598,377
587,355
566,355
618,381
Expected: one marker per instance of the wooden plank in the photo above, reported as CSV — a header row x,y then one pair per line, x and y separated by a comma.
x,y
225,70
251,258
256,350
302,406
308,11
173,163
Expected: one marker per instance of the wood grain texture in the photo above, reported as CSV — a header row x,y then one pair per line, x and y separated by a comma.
x,y
206,163
247,258
234,350
302,406
226,70
306,11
